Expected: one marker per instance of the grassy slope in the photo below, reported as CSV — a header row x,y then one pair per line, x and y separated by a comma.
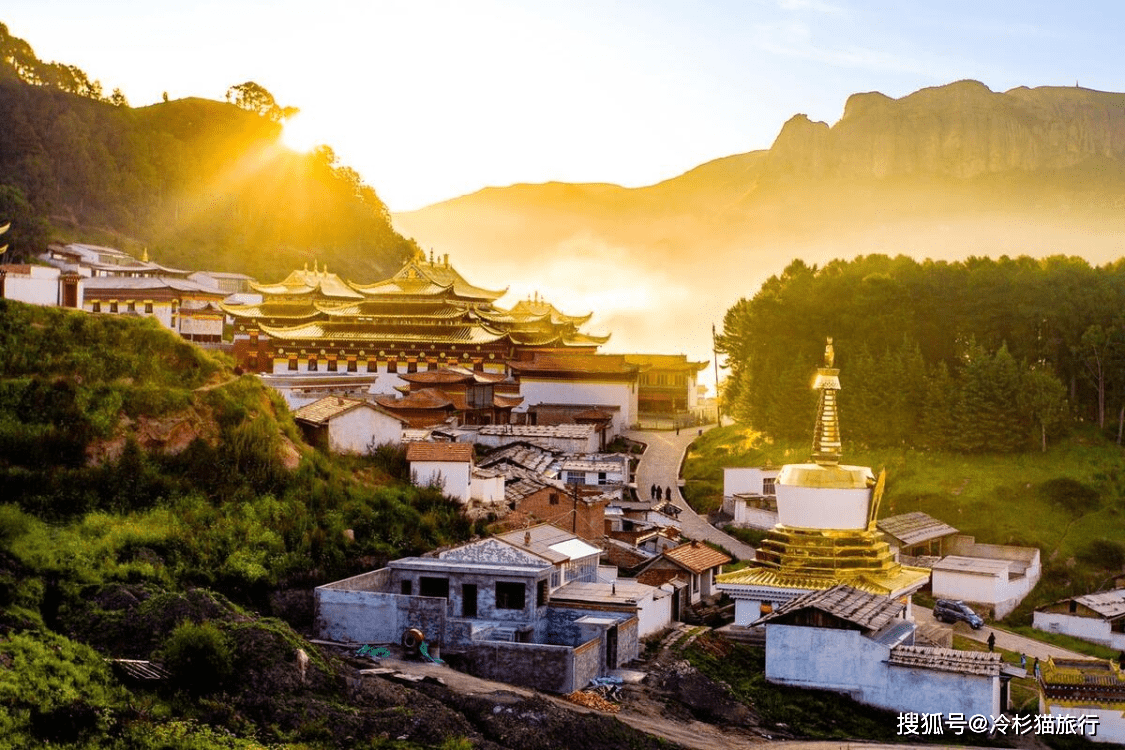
x,y
999,499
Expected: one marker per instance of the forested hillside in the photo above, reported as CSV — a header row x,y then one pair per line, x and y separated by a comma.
x,y
155,505
201,184
975,356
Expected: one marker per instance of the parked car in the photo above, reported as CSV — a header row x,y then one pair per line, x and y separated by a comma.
x,y
947,610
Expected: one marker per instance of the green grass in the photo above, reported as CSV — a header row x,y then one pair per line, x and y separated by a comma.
x,y
999,499
1066,641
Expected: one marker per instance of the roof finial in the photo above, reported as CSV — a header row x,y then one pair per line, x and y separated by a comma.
x,y
314,266
826,434
431,256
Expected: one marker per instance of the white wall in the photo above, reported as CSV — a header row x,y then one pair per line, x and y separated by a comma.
x,y
355,430
488,490
654,613
39,286
738,479
1092,629
822,508
847,662
1110,726
455,479
623,395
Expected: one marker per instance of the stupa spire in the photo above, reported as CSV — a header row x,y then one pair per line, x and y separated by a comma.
x,y
826,434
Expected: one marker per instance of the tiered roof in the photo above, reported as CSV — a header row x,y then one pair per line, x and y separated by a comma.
x,y
425,302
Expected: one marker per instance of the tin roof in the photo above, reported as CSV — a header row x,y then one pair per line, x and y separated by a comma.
x,y
1108,604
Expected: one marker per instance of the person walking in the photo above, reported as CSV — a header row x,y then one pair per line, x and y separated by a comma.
x,y
652,492
668,494
991,641
658,494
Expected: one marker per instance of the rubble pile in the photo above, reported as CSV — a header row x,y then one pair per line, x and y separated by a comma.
x,y
594,701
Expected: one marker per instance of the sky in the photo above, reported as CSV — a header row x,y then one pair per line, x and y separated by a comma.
x,y
430,99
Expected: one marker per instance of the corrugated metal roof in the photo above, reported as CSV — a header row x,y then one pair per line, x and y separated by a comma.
x,y
976,565
915,527
1108,604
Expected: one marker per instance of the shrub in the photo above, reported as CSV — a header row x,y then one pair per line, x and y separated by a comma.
x,y
199,656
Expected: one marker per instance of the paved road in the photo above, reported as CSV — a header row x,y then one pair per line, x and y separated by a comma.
x,y
660,465
1004,639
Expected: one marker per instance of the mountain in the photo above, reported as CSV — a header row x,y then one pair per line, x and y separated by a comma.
x,y
200,184
946,173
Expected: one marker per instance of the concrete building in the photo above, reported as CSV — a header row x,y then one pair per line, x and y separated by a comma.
x,y
41,285
860,644
581,381
989,577
448,466
750,496
346,425
1097,618
1088,694
489,606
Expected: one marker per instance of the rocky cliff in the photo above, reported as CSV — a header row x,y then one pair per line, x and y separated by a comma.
x,y
962,130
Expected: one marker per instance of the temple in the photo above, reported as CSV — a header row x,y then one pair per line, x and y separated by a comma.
x,y
826,534
424,317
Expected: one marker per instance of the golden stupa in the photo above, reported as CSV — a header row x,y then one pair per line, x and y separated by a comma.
x,y
826,531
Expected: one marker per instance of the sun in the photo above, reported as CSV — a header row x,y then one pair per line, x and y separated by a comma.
x,y
300,134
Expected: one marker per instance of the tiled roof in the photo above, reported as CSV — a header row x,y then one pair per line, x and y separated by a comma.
x,y
523,454
321,411
696,556
142,283
451,452
427,398
914,528
867,610
946,659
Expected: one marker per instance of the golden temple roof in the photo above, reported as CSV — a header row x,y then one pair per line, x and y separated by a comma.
x,y
421,277
826,436
306,282
351,331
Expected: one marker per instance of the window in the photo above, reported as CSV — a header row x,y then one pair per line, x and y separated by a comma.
x,y
601,477
113,306
352,366
332,365
428,586
541,594
148,308
509,595
293,364
131,306
372,365
468,600
431,365
768,486
554,498
96,307
312,364
392,365
406,588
